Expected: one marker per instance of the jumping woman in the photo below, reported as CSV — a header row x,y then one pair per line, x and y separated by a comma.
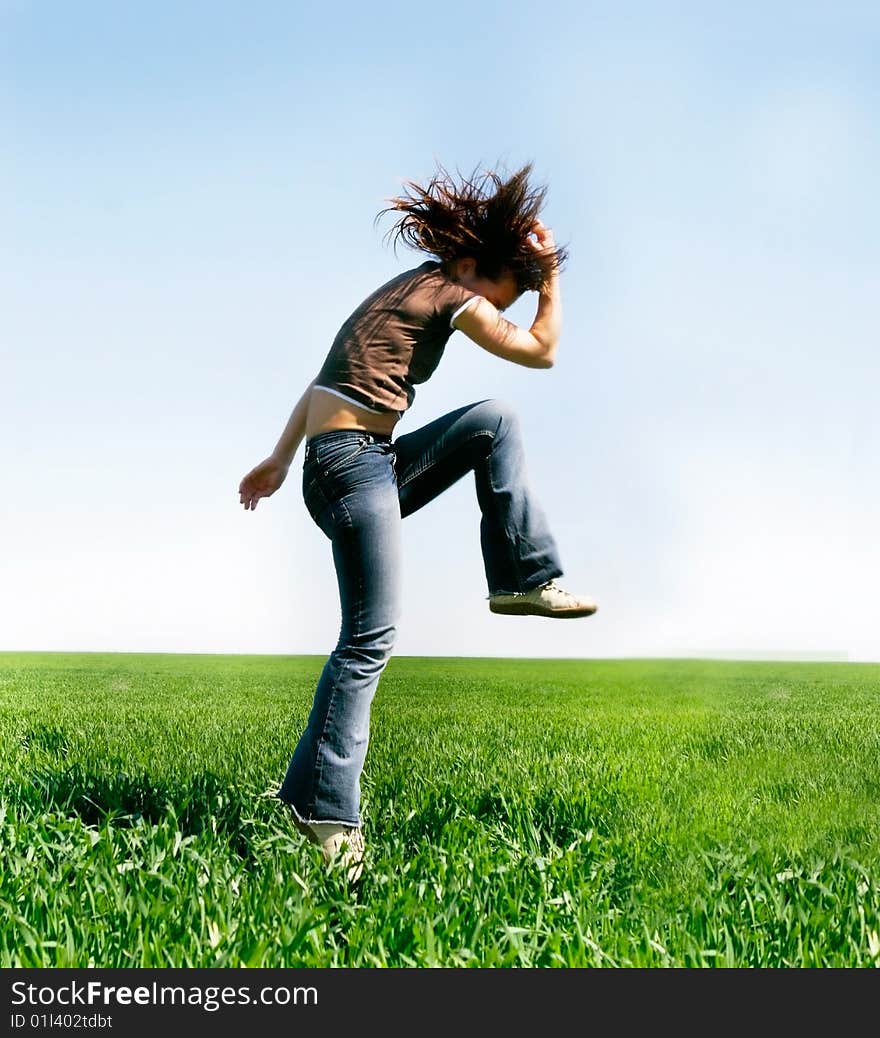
x,y
487,246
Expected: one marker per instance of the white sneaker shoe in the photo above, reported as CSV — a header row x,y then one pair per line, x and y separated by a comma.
x,y
547,600
341,845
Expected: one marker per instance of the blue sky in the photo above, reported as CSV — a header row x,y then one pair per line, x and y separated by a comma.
x,y
187,194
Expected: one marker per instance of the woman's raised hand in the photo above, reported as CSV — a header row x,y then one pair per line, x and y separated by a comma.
x,y
262,481
541,237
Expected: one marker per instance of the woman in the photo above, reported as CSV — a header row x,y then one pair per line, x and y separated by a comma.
x,y
487,247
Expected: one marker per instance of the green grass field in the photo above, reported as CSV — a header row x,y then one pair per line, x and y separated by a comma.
x,y
524,813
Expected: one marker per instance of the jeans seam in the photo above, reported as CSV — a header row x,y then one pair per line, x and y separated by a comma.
x,y
508,540
331,697
430,464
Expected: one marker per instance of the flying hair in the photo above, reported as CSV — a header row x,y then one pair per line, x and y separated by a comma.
x,y
487,215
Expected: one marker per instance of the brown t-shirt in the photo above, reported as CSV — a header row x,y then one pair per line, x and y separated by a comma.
x,y
394,339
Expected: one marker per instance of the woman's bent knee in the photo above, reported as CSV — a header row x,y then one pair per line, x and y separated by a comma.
x,y
499,415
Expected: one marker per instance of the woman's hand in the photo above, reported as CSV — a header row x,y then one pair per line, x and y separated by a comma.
x,y
542,239
262,481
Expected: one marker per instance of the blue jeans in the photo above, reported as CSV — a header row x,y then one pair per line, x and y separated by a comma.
x,y
358,487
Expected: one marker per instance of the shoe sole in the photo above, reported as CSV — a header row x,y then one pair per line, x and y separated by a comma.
x,y
529,609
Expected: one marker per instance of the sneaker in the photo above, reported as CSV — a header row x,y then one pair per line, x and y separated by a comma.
x,y
547,600
341,845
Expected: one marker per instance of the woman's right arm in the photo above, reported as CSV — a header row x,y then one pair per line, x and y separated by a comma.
x,y
534,347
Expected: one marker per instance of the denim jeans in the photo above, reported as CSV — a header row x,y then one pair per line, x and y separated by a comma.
x,y
358,487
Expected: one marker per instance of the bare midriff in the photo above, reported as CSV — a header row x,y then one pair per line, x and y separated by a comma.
x,y
328,412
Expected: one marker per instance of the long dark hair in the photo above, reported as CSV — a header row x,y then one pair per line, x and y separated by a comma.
x,y
486,215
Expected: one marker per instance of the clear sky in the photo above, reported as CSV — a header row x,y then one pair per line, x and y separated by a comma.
x,y
187,194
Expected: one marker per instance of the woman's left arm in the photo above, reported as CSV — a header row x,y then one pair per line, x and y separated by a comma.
x,y
264,479
295,429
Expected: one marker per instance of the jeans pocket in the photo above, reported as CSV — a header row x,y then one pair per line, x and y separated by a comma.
x,y
331,456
